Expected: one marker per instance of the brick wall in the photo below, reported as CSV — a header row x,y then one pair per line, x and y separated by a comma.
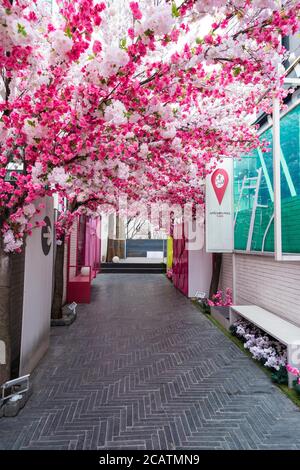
x,y
226,272
262,281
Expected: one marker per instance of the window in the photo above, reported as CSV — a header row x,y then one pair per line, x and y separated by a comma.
x,y
253,192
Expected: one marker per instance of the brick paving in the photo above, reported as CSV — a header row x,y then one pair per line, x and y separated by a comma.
x,y
142,368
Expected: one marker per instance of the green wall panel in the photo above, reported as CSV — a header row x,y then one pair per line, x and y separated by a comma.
x,y
248,167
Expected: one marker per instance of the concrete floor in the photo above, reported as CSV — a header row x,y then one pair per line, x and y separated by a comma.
x,y
142,368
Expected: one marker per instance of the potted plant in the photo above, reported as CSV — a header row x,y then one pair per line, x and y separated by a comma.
x,y
219,306
265,349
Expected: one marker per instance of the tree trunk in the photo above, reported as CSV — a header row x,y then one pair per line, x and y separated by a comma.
x,y
16,295
116,243
110,250
117,227
217,263
115,248
111,236
56,311
5,333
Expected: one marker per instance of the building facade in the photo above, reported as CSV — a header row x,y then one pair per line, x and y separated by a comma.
x,y
251,270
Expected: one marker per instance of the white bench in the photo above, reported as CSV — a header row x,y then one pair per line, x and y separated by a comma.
x,y
155,254
277,327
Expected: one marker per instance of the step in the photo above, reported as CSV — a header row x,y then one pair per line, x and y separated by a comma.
x,y
124,270
134,265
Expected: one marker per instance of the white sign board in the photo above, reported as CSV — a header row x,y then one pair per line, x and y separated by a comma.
x,y
219,208
200,295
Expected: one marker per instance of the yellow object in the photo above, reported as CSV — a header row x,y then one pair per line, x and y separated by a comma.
x,y
169,253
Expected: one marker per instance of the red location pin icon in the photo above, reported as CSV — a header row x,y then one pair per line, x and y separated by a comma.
x,y
219,180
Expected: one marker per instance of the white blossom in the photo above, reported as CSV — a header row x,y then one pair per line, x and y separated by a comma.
x,y
58,176
144,150
262,347
29,210
10,243
116,113
60,42
169,132
114,58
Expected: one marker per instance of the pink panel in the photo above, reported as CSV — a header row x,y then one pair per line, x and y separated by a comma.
x,y
98,244
180,262
81,229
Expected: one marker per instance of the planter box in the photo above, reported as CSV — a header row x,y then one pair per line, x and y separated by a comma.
x,y
221,314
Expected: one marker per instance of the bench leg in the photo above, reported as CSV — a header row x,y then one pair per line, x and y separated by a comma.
x,y
233,316
293,351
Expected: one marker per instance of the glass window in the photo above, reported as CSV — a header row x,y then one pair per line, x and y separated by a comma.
x,y
253,192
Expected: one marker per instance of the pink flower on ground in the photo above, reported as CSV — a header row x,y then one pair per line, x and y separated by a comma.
x,y
169,273
292,370
221,299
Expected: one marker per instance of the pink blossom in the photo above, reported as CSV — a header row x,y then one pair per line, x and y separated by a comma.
x,y
292,370
91,120
97,47
221,298
134,6
131,33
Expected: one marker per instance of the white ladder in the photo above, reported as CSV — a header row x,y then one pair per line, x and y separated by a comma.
x,y
250,183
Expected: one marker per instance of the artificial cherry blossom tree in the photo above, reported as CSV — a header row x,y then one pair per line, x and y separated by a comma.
x,y
34,63
98,104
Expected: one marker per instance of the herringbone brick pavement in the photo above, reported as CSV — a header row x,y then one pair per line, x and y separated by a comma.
x,y
142,368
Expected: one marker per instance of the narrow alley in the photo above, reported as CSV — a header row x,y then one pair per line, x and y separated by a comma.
x,y
142,368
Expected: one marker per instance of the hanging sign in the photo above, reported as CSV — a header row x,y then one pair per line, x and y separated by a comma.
x,y
219,208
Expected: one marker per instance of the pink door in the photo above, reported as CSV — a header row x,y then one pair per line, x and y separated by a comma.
x,y
180,262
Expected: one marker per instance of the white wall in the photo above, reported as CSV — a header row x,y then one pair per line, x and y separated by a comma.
x,y
262,281
73,247
37,296
200,271
104,236
295,45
